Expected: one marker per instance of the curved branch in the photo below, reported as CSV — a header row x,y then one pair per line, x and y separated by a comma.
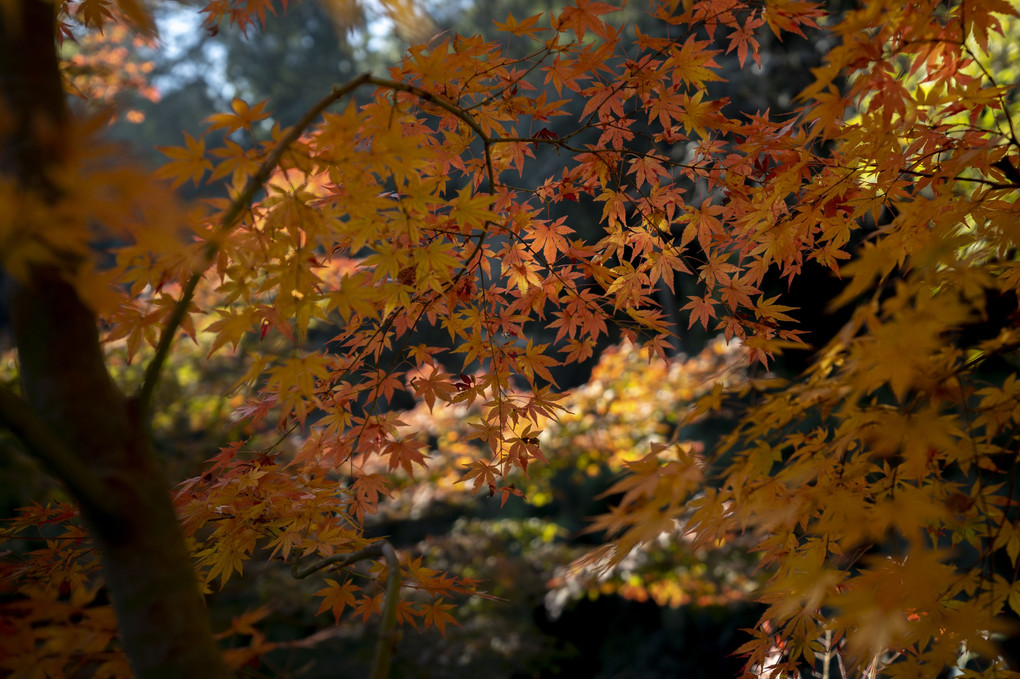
x,y
41,441
227,223
373,551
431,98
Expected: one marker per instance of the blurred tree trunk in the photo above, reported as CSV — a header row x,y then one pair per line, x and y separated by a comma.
x,y
72,416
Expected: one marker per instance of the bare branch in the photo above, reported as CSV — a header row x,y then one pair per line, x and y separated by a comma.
x,y
373,551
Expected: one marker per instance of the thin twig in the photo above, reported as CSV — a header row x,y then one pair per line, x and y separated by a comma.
x,y
373,551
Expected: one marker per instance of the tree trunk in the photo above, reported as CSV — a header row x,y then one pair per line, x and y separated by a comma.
x,y
73,417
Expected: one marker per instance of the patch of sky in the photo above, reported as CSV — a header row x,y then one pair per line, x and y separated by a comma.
x,y
181,33
188,55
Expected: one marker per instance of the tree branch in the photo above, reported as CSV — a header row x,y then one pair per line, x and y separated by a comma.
x,y
41,441
373,551
388,623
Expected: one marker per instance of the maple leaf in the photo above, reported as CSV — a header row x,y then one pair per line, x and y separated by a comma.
x,y
525,27
386,383
702,223
408,613
434,264
231,327
367,489
533,361
436,615
980,21
484,475
562,73
737,293
237,162
702,309
767,309
744,37
647,168
549,237
578,350
95,12
697,115
225,558
435,384
506,491
418,571
692,63
404,453
337,596
472,211
243,116
790,15
367,606
188,162
584,16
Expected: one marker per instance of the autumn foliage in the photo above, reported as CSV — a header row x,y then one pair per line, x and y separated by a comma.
x,y
876,490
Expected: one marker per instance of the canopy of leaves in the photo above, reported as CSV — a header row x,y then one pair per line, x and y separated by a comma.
x,y
877,489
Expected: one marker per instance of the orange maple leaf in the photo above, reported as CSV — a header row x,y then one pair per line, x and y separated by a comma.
x,y
187,162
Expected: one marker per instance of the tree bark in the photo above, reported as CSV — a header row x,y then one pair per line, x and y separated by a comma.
x,y
73,416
